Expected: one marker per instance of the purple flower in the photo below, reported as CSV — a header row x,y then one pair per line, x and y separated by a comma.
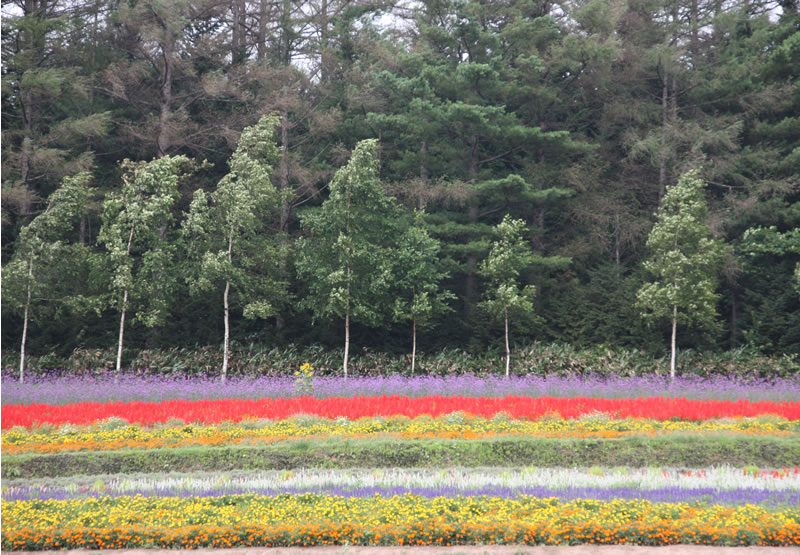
x,y
71,389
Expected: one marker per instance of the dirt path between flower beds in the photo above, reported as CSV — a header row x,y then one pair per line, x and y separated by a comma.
x,y
457,550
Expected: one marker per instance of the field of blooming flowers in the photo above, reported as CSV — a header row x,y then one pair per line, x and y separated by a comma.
x,y
142,461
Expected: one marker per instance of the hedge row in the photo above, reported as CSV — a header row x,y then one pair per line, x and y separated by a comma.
x,y
535,358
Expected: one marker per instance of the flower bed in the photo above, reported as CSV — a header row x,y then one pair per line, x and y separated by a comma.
x,y
517,407
694,498
452,426
312,519
76,389
716,485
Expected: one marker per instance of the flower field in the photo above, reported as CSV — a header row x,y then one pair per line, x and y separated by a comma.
x,y
155,463
526,408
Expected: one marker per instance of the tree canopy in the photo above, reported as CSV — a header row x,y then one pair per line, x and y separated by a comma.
x,y
575,118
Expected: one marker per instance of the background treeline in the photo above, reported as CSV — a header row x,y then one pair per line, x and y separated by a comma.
x,y
572,116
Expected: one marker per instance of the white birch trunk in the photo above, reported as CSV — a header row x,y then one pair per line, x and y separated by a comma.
x,y
226,306
413,344
121,331
25,326
674,329
508,349
346,340
226,341
122,316
347,323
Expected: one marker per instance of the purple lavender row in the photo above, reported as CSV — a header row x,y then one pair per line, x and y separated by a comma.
x,y
73,389
709,496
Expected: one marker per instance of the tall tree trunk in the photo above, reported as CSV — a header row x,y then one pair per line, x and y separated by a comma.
x,y
674,353
238,24
423,173
508,349
347,325
25,325
227,338
694,42
261,31
323,42
121,332
226,311
413,343
283,174
346,341
33,44
662,163
93,55
164,139
617,246
734,315
122,316
470,283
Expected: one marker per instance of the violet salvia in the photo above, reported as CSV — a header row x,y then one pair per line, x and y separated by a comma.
x,y
63,390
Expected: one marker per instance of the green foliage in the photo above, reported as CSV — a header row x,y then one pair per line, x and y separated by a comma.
x,y
43,246
770,262
227,231
508,257
46,265
135,234
574,118
768,241
346,260
538,359
50,134
417,275
684,260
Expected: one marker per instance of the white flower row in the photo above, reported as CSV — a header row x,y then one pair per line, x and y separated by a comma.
x,y
719,478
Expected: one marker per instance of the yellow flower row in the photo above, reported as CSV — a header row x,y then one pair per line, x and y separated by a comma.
x,y
312,519
453,426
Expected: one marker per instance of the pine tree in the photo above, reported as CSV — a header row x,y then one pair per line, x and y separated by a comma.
x,y
48,121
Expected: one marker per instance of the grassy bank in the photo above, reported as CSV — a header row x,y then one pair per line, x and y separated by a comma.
x,y
681,451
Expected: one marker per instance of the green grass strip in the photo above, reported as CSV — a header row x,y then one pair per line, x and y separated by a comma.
x,y
684,451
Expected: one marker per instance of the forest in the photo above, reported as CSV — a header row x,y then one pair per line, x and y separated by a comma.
x,y
398,175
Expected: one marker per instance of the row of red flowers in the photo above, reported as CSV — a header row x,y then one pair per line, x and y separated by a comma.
x,y
529,408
